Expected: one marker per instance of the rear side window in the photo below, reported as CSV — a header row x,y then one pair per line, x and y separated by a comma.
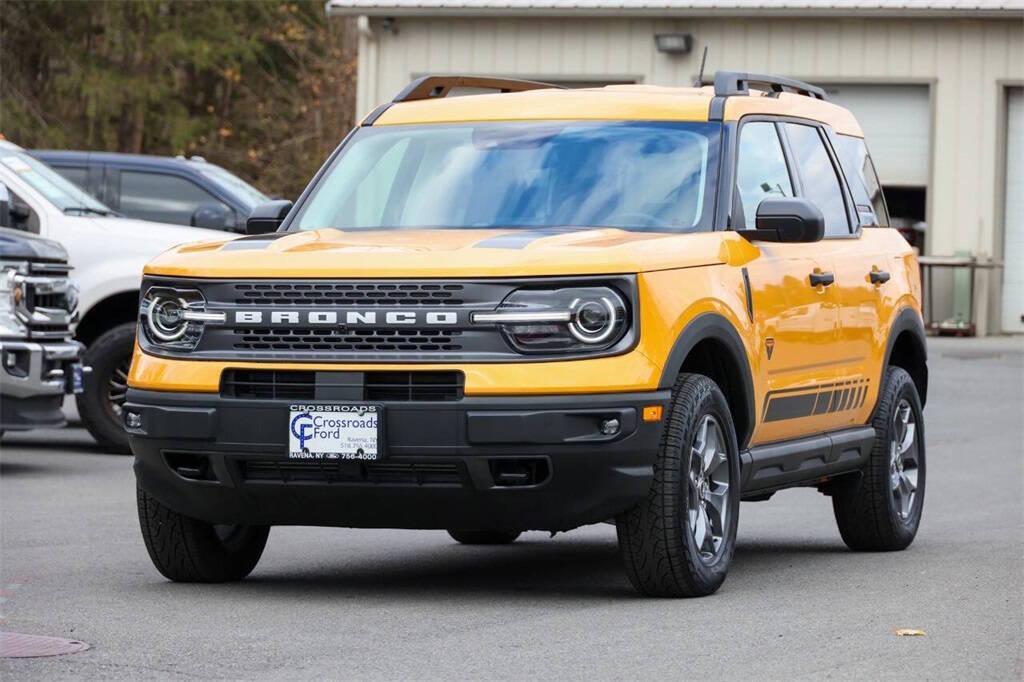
x,y
76,174
164,198
860,174
761,169
819,177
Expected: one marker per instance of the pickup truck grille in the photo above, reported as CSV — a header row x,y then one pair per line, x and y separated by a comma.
x,y
48,301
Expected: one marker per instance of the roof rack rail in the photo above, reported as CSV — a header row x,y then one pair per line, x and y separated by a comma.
x,y
737,83
436,87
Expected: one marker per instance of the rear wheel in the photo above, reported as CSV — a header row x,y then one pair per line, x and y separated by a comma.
x,y
484,537
187,550
880,510
106,387
679,541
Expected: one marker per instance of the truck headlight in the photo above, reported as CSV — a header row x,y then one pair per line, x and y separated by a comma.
x,y
10,296
174,318
572,319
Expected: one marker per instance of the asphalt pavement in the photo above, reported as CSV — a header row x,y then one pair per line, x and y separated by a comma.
x,y
368,604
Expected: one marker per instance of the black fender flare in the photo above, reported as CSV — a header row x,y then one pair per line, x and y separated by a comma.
x,y
908,320
715,326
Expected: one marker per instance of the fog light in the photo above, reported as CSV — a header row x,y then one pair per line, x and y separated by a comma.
x,y
609,427
133,420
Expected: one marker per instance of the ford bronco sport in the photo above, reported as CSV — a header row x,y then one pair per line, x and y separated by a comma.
x,y
541,309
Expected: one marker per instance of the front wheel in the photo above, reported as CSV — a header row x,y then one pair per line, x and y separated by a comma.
x,y
679,541
880,510
187,550
106,387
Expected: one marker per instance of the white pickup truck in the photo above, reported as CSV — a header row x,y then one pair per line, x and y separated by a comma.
x,y
107,253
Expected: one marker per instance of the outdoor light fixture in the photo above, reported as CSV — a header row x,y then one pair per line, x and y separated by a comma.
x,y
673,43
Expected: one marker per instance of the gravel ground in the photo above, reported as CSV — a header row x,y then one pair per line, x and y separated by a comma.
x,y
412,604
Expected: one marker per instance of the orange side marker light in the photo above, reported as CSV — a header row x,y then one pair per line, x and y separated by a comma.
x,y
652,413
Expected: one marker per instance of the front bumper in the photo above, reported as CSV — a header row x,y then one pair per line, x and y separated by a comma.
x,y
514,463
34,377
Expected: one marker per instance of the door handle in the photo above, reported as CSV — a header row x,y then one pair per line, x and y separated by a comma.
x,y
879,277
822,279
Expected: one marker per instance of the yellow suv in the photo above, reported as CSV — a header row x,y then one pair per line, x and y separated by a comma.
x,y
535,309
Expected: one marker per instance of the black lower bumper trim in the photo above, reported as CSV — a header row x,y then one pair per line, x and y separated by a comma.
x,y
447,465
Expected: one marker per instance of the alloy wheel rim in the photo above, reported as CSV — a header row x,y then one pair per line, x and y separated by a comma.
x,y
904,464
117,386
708,481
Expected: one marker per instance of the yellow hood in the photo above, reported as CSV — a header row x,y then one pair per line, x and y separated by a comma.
x,y
443,253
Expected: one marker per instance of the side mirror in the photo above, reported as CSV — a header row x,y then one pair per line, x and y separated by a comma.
x,y
787,221
211,216
267,217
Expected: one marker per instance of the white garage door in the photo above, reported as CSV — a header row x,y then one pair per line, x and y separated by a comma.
x,y
1013,222
897,124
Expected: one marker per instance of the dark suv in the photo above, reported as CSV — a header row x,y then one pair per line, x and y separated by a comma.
x,y
160,188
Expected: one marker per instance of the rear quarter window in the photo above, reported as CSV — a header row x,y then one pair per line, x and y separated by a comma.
x,y
863,180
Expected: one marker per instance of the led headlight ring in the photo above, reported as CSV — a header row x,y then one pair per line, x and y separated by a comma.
x,y
593,320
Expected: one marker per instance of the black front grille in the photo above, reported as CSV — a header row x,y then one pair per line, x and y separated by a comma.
x,y
341,340
370,386
343,471
349,294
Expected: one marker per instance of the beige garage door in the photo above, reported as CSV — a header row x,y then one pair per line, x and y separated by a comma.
x,y
897,124
1013,223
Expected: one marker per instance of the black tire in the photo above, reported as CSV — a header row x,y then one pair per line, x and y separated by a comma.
x,y
109,356
186,550
658,545
484,537
866,506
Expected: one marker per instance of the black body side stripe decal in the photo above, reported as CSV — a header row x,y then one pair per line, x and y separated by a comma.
x,y
794,403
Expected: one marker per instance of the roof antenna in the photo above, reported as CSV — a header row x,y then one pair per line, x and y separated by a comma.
x,y
700,76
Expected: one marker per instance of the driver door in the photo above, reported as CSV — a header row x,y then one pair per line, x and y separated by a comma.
x,y
796,322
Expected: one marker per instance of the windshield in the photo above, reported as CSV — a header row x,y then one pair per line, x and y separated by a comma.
x,y
234,185
629,175
60,191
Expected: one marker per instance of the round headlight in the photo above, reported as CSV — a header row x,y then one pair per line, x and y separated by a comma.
x,y
166,319
593,320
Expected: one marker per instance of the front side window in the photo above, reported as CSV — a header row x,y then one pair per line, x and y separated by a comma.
x,y
761,170
819,178
165,198
561,175
860,174
233,184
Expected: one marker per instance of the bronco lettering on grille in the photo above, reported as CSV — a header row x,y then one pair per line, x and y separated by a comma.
x,y
349,318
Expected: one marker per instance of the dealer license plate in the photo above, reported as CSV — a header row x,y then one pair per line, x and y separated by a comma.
x,y
334,431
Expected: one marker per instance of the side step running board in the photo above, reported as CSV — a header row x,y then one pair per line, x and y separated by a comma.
x,y
780,465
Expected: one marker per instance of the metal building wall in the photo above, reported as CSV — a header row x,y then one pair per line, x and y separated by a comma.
x,y
967,63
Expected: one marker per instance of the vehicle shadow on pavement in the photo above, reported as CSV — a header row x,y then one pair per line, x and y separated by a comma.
x,y
571,568
585,567
56,442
